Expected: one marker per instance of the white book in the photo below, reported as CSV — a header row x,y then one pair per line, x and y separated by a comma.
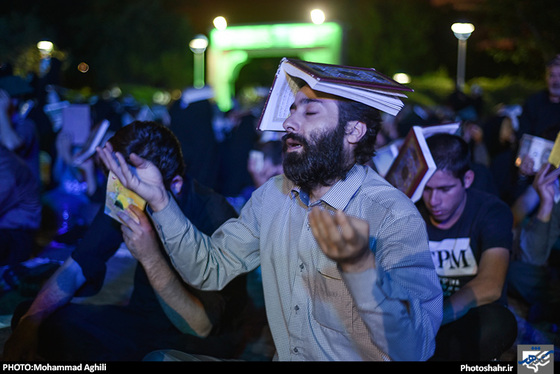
x,y
365,85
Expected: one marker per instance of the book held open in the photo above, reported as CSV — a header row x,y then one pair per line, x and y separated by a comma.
x,y
365,85
119,198
537,148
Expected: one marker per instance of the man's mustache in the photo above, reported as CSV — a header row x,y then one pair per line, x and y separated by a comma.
x,y
295,137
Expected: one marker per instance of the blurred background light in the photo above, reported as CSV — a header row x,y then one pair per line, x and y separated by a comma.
x,y
317,16
83,67
220,23
45,46
402,78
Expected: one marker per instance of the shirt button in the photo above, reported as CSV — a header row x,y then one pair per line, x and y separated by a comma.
x,y
295,350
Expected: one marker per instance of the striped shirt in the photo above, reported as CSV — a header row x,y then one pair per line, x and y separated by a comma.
x,y
315,311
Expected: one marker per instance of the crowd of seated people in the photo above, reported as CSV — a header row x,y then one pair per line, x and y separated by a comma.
x,y
63,203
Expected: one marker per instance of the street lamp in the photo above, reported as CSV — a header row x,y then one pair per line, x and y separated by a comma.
x,y
462,32
220,23
198,46
45,48
317,16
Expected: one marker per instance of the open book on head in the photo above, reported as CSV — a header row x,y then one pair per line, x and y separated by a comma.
x,y
414,166
365,85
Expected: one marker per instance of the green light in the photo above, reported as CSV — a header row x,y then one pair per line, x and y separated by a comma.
x,y
274,36
233,47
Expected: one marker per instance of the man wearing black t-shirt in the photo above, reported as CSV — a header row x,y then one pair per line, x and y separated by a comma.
x,y
163,312
541,110
470,234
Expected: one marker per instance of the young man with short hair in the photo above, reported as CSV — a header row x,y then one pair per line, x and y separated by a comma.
x,y
470,235
163,311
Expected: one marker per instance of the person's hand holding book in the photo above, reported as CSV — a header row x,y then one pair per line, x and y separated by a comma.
x,y
146,180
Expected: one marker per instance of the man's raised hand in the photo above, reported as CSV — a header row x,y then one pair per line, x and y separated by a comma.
x,y
343,239
146,180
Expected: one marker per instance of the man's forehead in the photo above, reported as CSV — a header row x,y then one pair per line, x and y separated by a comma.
x,y
553,69
443,178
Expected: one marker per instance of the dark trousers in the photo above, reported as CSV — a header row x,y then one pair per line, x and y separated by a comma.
x,y
483,334
530,282
119,333
535,286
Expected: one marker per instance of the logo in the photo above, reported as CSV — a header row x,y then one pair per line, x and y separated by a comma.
x,y
453,257
533,359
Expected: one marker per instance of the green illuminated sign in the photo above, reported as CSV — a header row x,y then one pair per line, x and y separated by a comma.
x,y
235,46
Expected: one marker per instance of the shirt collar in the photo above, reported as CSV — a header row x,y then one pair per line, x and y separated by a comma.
x,y
340,194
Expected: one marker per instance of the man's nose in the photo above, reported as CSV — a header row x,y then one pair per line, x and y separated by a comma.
x,y
291,124
434,199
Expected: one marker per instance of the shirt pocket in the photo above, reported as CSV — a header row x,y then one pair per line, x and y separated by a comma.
x,y
332,304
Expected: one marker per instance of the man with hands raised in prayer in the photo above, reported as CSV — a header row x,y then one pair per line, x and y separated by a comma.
x,y
346,270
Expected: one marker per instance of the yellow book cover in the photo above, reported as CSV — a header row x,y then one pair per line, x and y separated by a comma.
x,y
120,198
554,157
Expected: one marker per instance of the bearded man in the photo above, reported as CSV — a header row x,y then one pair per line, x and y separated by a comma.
x,y
346,269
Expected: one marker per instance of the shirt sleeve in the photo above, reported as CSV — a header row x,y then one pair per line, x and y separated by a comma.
x,y
401,297
102,239
537,239
496,227
190,250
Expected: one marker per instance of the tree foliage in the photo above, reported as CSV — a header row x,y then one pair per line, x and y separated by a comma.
x,y
125,41
145,41
523,33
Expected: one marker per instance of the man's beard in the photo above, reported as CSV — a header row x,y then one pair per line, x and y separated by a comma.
x,y
321,162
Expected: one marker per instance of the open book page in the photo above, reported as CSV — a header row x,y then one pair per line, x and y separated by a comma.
x,y
277,106
389,104
372,94
538,149
379,92
119,198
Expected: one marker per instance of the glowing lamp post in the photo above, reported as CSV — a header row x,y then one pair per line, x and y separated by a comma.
x,y
45,48
198,46
220,23
462,31
317,16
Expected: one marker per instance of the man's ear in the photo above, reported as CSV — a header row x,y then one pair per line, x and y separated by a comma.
x,y
177,185
468,179
355,131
